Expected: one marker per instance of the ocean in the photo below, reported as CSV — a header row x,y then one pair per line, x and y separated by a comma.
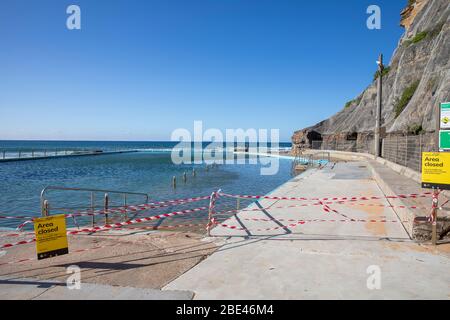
x,y
150,170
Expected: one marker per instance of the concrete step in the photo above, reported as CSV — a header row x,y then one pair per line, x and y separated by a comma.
x,y
34,289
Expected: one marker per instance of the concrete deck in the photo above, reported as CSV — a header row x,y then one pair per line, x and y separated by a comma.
x,y
320,260
119,264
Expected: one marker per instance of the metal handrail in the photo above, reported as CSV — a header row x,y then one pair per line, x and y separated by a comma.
x,y
45,203
30,153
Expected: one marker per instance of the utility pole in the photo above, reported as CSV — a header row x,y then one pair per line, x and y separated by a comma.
x,y
379,105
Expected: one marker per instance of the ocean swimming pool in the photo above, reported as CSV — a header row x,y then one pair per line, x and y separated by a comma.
x,y
149,172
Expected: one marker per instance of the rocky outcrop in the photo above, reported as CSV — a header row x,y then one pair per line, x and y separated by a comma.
x,y
409,13
415,82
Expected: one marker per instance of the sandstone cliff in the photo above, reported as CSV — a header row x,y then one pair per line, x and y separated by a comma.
x,y
415,82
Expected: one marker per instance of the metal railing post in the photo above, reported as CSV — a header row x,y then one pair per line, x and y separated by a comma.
x,y
212,203
93,208
406,151
434,217
45,208
420,153
125,205
106,204
396,148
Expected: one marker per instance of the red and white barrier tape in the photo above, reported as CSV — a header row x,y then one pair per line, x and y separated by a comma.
x,y
135,221
319,204
432,217
162,227
9,245
211,210
16,217
123,210
140,207
323,220
20,234
115,225
299,222
355,198
292,225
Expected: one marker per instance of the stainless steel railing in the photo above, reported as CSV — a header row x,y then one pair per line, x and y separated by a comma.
x,y
13,154
91,206
39,153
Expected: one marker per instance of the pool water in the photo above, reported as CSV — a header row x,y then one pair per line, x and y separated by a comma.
x,y
150,172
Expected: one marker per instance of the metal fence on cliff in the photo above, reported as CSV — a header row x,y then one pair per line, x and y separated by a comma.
x,y
403,150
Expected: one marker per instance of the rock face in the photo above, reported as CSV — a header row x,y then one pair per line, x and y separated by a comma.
x,y
420,66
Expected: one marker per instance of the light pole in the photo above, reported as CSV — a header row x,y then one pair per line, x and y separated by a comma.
x,y
379,103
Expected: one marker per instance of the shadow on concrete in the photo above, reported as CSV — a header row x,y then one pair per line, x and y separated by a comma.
x,y
126,264
104,265
39,284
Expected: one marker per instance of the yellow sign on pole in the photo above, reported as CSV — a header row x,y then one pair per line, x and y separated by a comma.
x,y
51,236
436,170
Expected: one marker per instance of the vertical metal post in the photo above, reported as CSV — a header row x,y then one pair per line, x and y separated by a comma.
x,y
212,201
438,126
184,177
174,182
45,208
20,153
106,204
93,208
193,172
396,148
406,151
125,205
434,217
420,153
379,102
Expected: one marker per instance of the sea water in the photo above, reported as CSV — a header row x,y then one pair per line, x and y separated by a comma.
x,y
150,170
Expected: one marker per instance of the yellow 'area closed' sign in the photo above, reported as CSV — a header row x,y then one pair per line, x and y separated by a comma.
x,y
51,237
436,170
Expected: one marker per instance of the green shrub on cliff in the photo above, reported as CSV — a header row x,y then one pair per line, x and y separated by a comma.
x,y
383,73
407,95
415,129
430,33
356,101
416,39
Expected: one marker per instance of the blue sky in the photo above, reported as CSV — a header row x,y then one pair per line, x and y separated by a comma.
x,y
137,70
